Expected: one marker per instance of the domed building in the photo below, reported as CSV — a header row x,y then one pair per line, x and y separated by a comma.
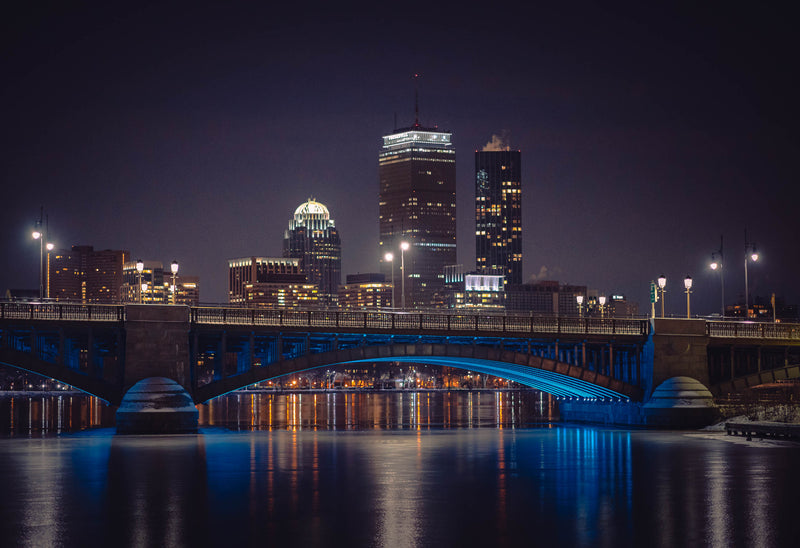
x,y
312,237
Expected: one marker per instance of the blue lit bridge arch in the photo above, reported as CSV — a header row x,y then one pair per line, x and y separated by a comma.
x,y
105,349
567,356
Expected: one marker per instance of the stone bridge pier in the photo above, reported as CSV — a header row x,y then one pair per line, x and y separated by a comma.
x,y
680,349
157,371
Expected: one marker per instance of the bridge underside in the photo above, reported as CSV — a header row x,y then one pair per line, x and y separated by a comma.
x,y
742,383
547,375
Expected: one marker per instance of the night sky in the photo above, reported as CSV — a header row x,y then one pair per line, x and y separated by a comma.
x,y
192,132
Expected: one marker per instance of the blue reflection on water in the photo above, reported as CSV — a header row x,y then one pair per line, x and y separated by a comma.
x,y
564,486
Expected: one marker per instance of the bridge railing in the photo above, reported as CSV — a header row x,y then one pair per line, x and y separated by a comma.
x,y
753,330
414,321
62,311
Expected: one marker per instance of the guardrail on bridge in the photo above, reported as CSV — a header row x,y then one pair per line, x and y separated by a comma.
x,y
62,311
414,321
753,330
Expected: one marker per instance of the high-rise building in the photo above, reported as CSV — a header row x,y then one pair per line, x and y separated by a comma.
x,y
312,237
417,205
83,274
498,213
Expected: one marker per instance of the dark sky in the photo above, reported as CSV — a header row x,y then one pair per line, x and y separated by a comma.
x,y
191,131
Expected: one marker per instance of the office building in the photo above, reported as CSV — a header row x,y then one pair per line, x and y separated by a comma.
x,y
251,270
154,286
498,213
313,239
545,297
271,282
417,205
83,274
366,291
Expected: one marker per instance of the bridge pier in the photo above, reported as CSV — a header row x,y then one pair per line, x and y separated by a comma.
x,y
157,372
680,349
156,343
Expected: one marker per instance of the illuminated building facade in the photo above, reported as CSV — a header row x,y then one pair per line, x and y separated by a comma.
x,y
366,291
158,285
152,276
313,239
281,294
498,214
251,270
272,282
83,274
417,204
485,291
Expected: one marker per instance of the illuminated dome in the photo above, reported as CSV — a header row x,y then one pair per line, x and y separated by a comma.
x,y
312,208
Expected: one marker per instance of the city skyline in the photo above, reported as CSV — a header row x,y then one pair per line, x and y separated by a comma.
x,y
647,133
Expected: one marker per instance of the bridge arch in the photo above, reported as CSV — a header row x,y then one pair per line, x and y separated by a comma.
x,y
551,376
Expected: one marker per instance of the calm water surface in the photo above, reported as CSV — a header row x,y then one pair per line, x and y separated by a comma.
x,y
399,469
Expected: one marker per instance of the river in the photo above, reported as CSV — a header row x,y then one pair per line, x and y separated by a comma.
x,y
384,469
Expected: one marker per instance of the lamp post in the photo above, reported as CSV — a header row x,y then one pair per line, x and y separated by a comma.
x,y
37,235
139,269
751,254
579,298
662,283
174,268
389,257
403,248
602,300
687,283
49,247
716,264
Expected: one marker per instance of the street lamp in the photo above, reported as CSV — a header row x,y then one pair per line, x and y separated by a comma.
x,y
716,264
139,270
602,300
579,298
174,268
403,248
687,283
37,235
143,287
49,247
662,283
750,253
389,257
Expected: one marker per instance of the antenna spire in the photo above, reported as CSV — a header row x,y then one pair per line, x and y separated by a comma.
x,y
416,99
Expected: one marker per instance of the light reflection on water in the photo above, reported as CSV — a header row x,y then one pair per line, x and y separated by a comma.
x,y
303,485
344,410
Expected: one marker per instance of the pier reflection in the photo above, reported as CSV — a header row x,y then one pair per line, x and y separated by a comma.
x,y
156,491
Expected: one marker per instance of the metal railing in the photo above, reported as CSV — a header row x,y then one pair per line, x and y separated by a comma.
x,y
753,330
419,321
62,311
398,321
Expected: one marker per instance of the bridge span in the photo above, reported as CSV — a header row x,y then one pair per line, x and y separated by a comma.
x,y
106,349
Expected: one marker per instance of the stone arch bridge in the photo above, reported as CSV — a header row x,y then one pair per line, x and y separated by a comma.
x,y
106,349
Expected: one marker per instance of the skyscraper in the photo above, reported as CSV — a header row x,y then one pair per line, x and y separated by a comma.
x,y
498,213
417,204
312,237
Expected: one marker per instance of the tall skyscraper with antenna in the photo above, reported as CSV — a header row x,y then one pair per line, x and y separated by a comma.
x,y
417,205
